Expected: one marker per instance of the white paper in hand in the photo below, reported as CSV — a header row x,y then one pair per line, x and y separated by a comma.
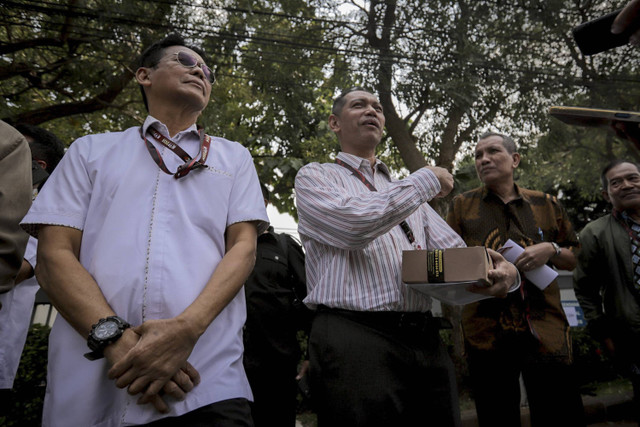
x,y
541,276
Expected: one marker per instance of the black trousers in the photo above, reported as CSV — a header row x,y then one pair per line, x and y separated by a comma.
x,y
275,391
635,382
379,370
552,391
627,361
227,413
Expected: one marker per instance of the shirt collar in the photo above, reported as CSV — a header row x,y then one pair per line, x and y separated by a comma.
x,y
162,128
519,195
625,216
269,234
362,164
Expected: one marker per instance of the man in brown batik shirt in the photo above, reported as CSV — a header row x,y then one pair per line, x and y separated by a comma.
x,y
527,332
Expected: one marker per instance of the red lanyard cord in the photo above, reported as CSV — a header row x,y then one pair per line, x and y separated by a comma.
x,y
189,162
404,225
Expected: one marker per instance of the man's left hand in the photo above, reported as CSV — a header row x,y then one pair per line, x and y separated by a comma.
x,y
534,256
160,354
626,19
504,276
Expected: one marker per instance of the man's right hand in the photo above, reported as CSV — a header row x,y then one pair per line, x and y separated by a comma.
x,y
445,178
179,385
628,130
504,275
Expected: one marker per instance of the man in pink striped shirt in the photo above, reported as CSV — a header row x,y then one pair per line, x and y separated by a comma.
x,y
376,355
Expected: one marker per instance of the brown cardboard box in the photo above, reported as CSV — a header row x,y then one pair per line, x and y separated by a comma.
x,y
446,265
447,274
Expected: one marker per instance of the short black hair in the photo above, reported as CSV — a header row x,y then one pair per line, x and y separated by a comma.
x,y
507,142
45,146
612,164
265,192
154,53
338,103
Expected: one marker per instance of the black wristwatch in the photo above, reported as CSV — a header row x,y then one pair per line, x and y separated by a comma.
x,y
557,248
103,333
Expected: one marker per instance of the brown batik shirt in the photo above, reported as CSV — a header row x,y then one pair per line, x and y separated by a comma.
x,y
483,219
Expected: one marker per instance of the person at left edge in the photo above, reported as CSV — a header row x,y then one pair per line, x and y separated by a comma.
x,y
18,304
127,238
15,199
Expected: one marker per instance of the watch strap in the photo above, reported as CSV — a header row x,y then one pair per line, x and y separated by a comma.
x,y
94,355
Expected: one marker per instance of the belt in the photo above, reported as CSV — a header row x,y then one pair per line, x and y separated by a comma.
x,y
392,320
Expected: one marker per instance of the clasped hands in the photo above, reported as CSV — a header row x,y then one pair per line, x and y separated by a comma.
x,y
151,359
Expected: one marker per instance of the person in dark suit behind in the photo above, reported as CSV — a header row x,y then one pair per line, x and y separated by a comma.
x,y
275,313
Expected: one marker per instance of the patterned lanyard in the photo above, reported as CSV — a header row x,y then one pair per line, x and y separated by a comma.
x,y
632,230
622,220
189,163
405,227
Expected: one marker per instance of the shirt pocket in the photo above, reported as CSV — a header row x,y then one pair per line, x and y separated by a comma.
x,y
274,266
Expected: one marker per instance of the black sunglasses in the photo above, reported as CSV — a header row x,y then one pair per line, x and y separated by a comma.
x,y
187,60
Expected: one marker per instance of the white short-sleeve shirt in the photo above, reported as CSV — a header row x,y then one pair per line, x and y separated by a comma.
x,y
151,242
15,318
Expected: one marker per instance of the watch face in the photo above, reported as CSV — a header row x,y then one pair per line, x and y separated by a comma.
x,y
106,330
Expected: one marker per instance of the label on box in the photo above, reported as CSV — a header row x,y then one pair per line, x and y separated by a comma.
x,y
435,266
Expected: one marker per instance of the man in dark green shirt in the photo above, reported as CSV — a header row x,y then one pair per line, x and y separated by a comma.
x,y
607,279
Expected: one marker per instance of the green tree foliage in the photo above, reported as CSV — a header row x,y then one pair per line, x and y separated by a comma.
x,y
72,62
445,70
567,162
276,104
448,70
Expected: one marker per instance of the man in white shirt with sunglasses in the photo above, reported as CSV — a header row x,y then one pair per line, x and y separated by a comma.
x,y
145,238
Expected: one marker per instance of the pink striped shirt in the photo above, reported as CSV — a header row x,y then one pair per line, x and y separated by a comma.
x,y
351,235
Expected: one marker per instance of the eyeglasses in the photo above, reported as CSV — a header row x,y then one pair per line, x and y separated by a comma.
x,y
189,61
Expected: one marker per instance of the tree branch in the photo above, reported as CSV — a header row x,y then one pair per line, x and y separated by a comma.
x,y
98,102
